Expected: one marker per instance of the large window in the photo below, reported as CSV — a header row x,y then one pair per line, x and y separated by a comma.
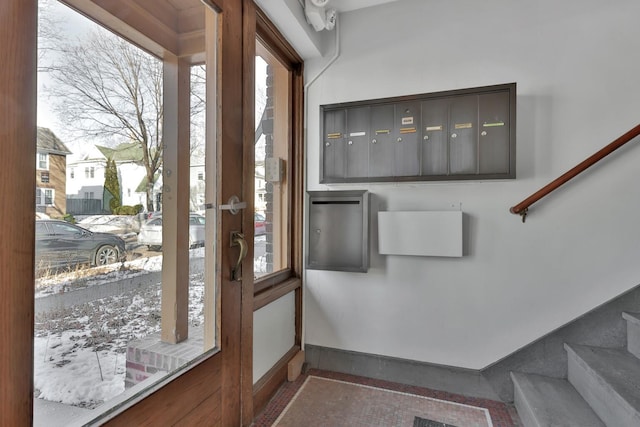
x,y
127,313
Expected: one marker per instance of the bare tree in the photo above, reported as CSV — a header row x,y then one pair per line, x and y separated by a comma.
x,y
102,87
49,35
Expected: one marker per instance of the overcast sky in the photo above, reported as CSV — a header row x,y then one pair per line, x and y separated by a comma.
x,y
72,25
75,26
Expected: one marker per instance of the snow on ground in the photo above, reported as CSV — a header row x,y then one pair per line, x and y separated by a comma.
x,y
87,276
80,352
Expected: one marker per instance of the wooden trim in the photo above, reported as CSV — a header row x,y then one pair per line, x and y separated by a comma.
x,y
272,380
18,29
212,291
298,310
271,38
270,280
175,195
230,174
276,292
248,100
521,208
297,167
186,397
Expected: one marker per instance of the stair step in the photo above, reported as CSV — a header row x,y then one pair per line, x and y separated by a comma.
x,y
609,380
552,402
633,332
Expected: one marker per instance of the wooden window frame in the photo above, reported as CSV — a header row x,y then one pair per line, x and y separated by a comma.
x,y
271,287
278,46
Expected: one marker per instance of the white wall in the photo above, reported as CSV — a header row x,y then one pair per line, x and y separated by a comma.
x,y
80,184
576,64
273,333
131,175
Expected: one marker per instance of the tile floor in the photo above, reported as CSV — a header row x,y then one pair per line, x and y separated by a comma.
x,y
322,398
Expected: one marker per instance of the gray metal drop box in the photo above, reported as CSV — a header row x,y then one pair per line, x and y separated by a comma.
x,y
338,230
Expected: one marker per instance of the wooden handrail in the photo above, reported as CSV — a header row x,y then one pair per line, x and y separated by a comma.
x,y
523,207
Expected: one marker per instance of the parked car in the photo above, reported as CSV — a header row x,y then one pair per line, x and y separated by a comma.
x,y
151,232
62,244
260,224
125,226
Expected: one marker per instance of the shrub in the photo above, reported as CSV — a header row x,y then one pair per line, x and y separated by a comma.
x,y
112,185
126,210
69,218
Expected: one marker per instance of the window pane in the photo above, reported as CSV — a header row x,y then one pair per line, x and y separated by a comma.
x,y
100,288
272,148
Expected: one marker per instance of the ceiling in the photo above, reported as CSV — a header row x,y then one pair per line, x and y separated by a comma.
x,y
349,5
177,26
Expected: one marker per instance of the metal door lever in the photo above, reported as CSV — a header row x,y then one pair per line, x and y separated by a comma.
x,y
237,239
233,205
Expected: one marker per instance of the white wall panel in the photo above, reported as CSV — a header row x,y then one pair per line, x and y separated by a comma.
x,y
273,333
420,233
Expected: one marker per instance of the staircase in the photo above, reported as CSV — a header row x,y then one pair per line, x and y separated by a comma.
x,y
602,388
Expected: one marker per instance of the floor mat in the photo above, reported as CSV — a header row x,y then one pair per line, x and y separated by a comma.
x,y
323,398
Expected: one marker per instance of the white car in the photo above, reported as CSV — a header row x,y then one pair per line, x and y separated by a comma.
x,y
151,232
125,226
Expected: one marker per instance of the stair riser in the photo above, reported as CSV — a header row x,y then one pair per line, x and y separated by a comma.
x,y
524,411
603,400
633,338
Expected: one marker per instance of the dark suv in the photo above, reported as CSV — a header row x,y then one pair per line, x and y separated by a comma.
x,y
62,244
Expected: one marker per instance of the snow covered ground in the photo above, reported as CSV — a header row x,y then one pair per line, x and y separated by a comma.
x,y
79,352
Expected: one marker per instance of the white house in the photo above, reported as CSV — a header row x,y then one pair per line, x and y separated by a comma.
x,y
85,176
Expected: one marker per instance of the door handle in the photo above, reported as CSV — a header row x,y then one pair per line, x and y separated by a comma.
x,y
237,239
233,205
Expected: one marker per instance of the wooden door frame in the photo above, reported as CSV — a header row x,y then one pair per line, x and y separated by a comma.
x,y
211,392
18,93
248,181
219,390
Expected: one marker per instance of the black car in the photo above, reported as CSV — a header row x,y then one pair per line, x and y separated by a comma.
x,y
62,244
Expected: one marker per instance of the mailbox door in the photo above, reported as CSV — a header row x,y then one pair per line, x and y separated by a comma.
x,y
357,146
333,145
407,147
435,126
335,234
463,120
494,133
381,145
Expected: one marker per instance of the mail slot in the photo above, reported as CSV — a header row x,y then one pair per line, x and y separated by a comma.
x,y
338,231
